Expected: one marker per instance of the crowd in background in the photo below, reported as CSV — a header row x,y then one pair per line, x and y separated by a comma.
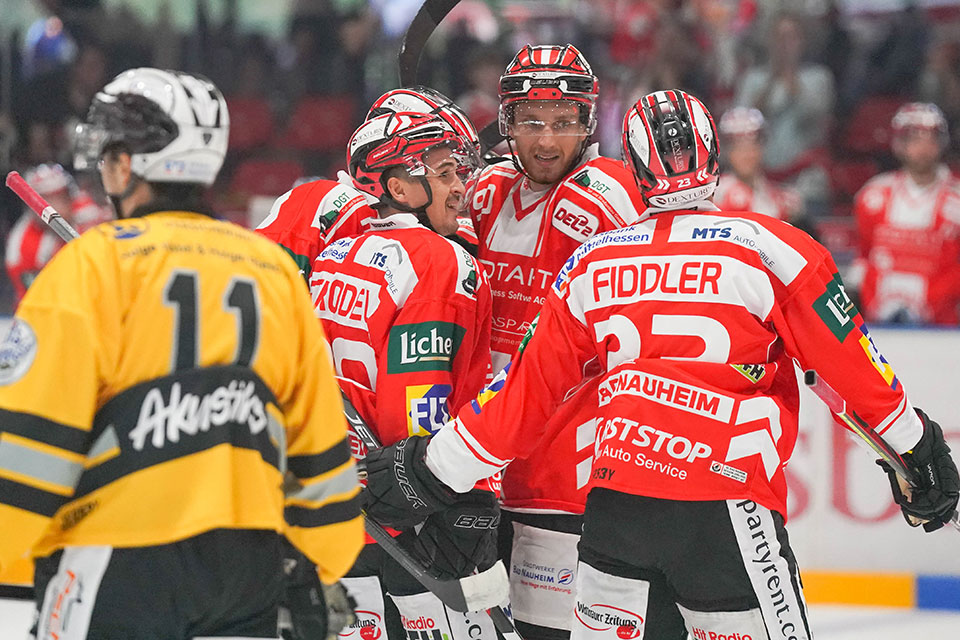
x,y
827,75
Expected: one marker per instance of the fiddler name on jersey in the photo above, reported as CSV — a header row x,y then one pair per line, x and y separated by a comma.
x,y
620,282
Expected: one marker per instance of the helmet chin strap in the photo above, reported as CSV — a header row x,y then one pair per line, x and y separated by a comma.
x,y
419,212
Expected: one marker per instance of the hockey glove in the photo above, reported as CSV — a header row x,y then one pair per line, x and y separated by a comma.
x,y
314,610
462,537
935,498
401,491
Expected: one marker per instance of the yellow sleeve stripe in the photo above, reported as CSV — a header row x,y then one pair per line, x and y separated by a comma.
x,y
36,483
42,447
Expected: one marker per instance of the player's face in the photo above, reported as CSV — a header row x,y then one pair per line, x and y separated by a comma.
x,y
744,155
447,190
547,137
919,150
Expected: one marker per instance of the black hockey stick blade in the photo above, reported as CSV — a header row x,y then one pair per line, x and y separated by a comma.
x,y
490,136
431,13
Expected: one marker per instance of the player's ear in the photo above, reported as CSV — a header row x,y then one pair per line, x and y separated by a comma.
x,y
398,188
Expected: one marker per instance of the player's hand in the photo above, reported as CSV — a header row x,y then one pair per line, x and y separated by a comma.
x,y
934,500
401,491
462,537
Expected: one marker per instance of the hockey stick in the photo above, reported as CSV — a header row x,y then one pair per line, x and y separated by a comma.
x,y
41,207
471,593
431,13
888,454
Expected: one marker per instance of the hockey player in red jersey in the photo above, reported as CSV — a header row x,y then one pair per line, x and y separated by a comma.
x,y
31,243
531,212
309,217
908,265
407,313
692,318
744,187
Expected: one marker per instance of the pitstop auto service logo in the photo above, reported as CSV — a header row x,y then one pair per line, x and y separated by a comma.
x,y
604,617
367,626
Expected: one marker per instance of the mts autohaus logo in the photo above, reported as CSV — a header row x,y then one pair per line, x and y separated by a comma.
x,y
422,628
368,626
604,617
425,346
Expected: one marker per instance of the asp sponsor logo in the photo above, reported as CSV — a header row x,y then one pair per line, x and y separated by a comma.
x,y
603,617
428,408
667,392
836,309
425,346
367,626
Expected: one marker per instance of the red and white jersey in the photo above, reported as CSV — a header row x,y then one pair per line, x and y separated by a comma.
x,y
525,238
407,314
30,245
763,196
309,217
909,251
693,321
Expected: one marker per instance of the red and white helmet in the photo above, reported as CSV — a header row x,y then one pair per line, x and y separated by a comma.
x,y
670,143
549,72
923,116
401,140
50,178
421,99
742,122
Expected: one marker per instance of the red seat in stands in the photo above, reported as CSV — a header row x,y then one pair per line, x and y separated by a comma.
x,y
321,123
251,123
265,177
847,176
868,128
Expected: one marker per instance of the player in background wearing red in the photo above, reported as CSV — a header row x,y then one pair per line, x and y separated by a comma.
x,y
744,187
531,212
694,318
407,314
31,243
908,264
312,215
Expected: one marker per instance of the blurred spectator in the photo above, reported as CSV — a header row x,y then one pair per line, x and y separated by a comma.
x,y
743,186
31,244
940,79
47,47
796,98
483,73
908,267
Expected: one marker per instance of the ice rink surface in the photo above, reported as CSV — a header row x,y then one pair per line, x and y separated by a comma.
x,y
830,622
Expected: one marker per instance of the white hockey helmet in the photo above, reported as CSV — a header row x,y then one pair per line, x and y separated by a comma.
x,y
174,125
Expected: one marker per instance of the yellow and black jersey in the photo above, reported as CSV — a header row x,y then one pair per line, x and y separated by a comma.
x,y
160,377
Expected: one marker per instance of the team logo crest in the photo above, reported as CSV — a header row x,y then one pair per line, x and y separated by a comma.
x,y
17,351
124,229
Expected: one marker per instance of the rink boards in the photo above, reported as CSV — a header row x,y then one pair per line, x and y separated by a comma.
x,y
851,542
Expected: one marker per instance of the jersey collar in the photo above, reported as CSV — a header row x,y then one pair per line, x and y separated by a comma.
x,y
395,221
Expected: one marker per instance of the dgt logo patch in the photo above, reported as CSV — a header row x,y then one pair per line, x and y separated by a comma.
x,y
836,309
427,346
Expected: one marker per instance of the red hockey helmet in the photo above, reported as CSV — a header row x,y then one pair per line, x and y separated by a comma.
x,y
421,99
50,178
670,143
549,72
920,116
742,122
402,140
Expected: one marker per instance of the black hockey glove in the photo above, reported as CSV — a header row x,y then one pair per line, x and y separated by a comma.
x,y
935,499
401,491
316,610
462,537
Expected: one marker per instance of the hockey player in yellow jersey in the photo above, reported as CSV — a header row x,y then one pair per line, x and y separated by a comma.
x,y
160,377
